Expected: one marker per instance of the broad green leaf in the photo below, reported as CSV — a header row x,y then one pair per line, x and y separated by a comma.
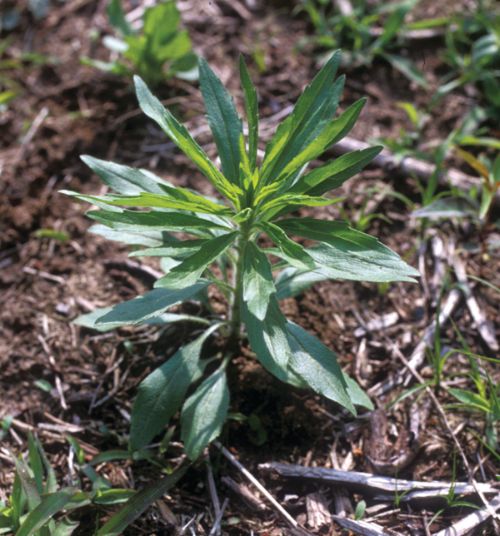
x,y
204,413
50,505
356,394
124,179
142,500
314,108
268,338
258,282
335,173
153,108
161,394
294,253
252,112
151,304
163,221
192,267
162,20
349,254
223,120
117,17
142,238
317,366
331,134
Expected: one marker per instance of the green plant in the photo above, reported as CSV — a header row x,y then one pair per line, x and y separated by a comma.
x,y
227,250
473,54
37,499
358,32
160,51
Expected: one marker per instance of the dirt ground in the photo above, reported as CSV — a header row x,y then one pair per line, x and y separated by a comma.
x,y
58,379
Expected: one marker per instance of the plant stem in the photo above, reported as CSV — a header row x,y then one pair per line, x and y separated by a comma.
x,y
238,282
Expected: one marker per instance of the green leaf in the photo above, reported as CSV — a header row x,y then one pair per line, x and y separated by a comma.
x,y
356,394
124,179
268,338
335,173
139,503
447,207
65,527
35,462
50,505
137,238
178,250
407,68
331,134
291,282
153,108
204,413
294,253
163,221
173,198
349,254
252,112
223,120
470,399
151,304
317,366
289,202
258,282
191,268
161,394
117,17
28,484
314,108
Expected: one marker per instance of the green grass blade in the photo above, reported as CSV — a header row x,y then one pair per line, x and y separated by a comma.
x,y
139,503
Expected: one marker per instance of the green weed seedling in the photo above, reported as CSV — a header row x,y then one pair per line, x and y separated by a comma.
x,y
204,241
39,506
161,50
473,54
357,33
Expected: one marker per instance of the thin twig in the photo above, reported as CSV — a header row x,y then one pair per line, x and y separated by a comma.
x,y
257,484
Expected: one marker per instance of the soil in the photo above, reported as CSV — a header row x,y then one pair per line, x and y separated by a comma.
x,y
57,379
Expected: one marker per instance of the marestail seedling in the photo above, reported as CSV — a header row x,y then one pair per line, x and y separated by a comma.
x,y
159,51
224,248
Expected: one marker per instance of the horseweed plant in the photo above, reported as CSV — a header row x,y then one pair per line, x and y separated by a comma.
x,y
226,250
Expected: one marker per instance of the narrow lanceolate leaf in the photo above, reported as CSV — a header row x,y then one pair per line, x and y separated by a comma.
x,y
223,120
161,394
204,413
139,503
258,282
160,221
313,110
151,304
174,198
177,250
191,268
124,179
289,202
294,253
317,366
153,108
268,338
335,173
331,134
252,112
349,254
138,238
50,505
